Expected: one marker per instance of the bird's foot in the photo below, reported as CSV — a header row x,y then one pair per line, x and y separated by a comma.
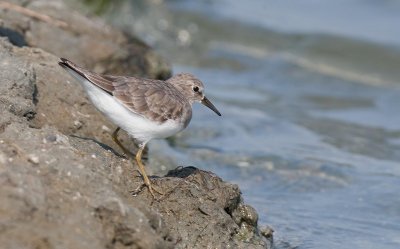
x,y
151,189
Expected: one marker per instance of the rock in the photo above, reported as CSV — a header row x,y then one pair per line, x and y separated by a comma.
x,y
68,197
62,186
202,211
89,42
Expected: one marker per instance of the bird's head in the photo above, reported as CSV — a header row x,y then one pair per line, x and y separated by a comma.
x,y
193,89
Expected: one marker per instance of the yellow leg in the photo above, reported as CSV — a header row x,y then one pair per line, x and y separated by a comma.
x,y
143,172
138,158
115,139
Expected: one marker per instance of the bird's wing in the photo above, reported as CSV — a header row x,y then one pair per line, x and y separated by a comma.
x,y
154,99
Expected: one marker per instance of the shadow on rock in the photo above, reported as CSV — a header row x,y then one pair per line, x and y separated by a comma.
x,y
102,145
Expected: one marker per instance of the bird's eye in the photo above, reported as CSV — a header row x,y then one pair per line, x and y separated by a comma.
x,y
196,88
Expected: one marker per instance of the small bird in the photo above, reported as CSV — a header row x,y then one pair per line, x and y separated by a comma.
x,y
145,108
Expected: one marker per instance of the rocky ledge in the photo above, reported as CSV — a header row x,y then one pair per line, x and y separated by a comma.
x,y
61,185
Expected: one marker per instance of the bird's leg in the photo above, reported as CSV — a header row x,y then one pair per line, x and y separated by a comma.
x,y
142,170
115,139
138,158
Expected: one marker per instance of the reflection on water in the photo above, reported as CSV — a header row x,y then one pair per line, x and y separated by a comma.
x,y
310,127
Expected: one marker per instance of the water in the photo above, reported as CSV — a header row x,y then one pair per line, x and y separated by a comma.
x,y
310,97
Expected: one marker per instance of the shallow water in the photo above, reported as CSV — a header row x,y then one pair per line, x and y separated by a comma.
x,y
310,97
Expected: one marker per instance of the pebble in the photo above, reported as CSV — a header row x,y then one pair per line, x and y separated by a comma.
x,y
33,159
78,124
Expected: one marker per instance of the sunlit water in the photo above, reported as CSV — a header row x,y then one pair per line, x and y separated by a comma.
x,y
310,97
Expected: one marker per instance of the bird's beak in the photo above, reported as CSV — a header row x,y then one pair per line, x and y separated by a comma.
x,y
208,103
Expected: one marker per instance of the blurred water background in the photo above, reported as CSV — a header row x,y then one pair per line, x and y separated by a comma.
x,y
310,96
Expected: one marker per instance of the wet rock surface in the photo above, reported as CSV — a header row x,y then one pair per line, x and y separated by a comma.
x,y
63,186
